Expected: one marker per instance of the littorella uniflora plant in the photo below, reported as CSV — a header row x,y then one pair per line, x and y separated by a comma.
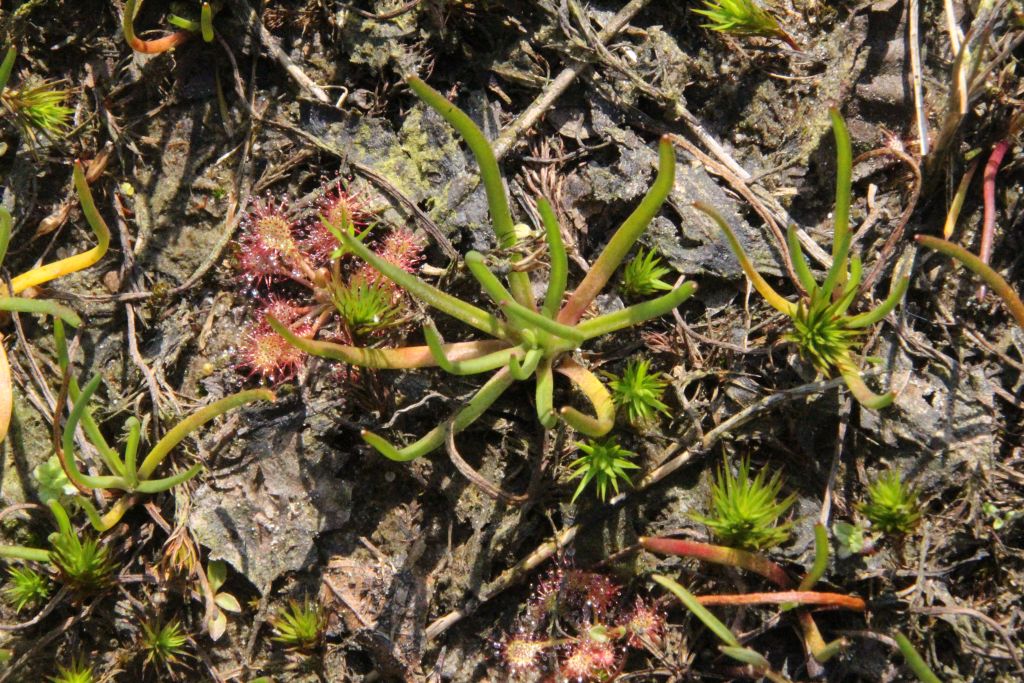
x,y
83,563
528,339
892,506
35,107
745,510
822,330
743,18
10,299
126,473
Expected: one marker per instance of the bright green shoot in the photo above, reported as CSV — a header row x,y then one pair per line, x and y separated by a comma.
x,y
822,330
164,644
78,670
742,18
35,108
300,625
892,506
604,463
639,391
126,473
26,588
365,305
529,339
84,563
745,510
642,276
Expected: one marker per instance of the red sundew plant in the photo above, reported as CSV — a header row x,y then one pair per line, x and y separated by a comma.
x,y
269,249
338,206
297,270
265,353
577,626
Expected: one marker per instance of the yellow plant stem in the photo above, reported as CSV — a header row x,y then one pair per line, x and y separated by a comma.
x,y
774,299
596,392
993,279
71,264
111,517
6,393
194,422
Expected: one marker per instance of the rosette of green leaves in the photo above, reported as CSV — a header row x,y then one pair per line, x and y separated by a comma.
x,y
823,331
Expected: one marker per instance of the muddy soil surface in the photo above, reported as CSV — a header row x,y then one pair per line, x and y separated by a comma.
x,y
439,568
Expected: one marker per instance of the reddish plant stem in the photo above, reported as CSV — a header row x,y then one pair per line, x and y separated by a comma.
x,y
813,641
800,597
158,45
988,224
719,554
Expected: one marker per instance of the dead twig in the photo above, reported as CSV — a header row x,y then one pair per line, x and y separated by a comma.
x,y
901,224
475,477
738,184
914,47
384,16
248,14
515,130
1011,647
55,601
837,453
45,640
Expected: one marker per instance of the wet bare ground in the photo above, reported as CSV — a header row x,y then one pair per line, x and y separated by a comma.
x,y
423,574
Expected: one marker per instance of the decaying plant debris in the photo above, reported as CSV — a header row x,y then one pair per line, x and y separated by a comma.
x,y
297,552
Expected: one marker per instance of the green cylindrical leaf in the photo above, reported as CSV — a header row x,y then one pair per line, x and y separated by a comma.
x,y
624,238
194,422
699,611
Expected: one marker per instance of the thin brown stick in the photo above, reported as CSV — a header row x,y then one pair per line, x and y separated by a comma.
x,y
245,10
897,232
384,16
1011,647
475,477
147,372
43,641
914,48
741,187
386,185
515,130
425,221
43,613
